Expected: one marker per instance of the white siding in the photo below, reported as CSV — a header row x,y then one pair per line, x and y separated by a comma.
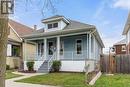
x,y
61,25
77,66
9,48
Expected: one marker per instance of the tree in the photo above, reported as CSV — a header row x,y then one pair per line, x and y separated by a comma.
x,y
4,31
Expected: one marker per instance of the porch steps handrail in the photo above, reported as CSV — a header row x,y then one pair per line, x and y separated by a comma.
x,y
50,61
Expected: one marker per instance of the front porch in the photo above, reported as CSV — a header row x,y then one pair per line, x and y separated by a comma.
x,y
76,47
67,49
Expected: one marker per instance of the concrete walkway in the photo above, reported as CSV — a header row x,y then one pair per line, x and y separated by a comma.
x,y
11,83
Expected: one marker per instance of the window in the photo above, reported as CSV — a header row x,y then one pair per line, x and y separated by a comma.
x,y
40,48
61,47
79,46
123,48
54,25
15,50
92,44
49,26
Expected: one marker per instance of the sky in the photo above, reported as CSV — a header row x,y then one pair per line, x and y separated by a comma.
x,y
109,16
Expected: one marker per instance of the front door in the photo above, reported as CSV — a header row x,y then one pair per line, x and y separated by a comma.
x,y
51,48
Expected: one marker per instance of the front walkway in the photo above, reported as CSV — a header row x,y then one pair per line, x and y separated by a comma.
x,y
12,83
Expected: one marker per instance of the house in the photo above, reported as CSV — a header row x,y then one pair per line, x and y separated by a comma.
x,y
15,45
126,32
75,44
120,47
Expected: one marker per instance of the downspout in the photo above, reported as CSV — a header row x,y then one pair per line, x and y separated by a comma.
x,y
89,47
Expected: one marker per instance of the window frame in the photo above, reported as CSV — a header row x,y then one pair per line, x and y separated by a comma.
x,y
13,53
52,25
77,46
62,43
123,50
49,27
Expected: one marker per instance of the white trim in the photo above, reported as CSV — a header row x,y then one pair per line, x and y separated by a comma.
x,y
58,47
15,32
90,46
81,46
45,48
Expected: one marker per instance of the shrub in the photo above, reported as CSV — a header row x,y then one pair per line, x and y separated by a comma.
x,y
7,67
30,66
56,65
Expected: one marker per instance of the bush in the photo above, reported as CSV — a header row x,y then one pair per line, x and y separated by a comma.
x,y
56,66
30,66
7,67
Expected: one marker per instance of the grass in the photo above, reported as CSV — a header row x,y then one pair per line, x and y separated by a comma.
x,y
10,75
78,80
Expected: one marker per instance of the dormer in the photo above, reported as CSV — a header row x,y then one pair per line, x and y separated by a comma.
x,y
55,23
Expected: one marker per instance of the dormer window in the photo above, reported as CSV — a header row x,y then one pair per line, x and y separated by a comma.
x,y
49,26
54,25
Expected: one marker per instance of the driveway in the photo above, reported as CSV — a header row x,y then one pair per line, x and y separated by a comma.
x,y
11,83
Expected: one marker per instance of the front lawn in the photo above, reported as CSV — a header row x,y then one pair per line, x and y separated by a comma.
x,y
78,80
10,75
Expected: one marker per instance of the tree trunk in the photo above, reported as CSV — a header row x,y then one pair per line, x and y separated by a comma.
x,y
4,31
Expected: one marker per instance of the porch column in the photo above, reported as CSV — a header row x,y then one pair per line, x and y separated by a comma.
x,y
90,46
58,48
94,47
87,46
25,50
45,48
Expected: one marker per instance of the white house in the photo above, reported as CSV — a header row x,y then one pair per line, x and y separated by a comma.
x,y
126,32
74,43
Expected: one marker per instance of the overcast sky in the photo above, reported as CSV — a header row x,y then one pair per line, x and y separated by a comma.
x,y
109,16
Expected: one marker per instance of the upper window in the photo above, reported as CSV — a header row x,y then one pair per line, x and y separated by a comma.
x,y
123,48
54,25
79,46
49,26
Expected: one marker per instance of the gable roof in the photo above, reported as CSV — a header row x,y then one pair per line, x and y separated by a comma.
x,y
55,16
20,28
121,42
127,25
72,27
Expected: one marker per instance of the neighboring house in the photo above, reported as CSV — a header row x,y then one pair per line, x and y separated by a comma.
x,y
15,45
120,47
74,43
126,32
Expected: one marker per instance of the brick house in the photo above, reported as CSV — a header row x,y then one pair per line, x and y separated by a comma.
x,y
120,47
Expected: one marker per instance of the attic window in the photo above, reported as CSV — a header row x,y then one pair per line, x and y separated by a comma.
x,y
54,25
49,26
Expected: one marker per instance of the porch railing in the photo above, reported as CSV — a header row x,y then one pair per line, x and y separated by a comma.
x,y
51,59
73,55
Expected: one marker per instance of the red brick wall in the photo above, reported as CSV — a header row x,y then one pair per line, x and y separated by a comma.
x,y
128,49
119,49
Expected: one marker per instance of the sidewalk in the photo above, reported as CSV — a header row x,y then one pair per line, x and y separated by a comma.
x,y
11,83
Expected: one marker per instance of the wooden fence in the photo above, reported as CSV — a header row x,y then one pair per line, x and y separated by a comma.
x,y
115,64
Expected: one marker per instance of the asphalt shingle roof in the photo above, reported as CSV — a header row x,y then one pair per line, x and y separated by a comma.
x,y
121,42
20,28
